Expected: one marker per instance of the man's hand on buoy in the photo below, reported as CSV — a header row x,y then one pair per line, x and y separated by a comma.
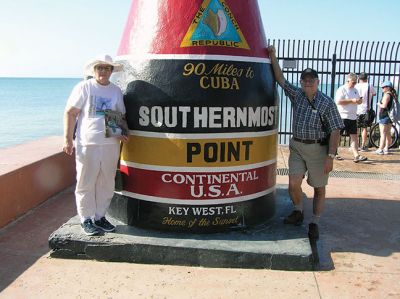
x,y
271,50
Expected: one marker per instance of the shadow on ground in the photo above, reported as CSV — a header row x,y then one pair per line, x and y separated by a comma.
x,y
25,240
368,226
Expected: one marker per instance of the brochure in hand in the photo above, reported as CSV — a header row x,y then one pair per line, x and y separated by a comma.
x,y
115,124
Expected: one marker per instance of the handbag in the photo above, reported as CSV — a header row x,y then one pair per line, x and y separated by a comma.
x,y
119,185
370,117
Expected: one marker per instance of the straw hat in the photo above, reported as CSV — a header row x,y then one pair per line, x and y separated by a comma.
x,y
101,59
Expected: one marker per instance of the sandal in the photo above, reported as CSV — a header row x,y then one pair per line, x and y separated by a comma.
x,y
339,158
359,159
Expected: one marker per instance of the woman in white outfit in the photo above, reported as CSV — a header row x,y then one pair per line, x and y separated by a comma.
x,y
96,155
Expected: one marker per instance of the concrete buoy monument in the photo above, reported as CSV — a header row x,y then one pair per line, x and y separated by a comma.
x,y
203,114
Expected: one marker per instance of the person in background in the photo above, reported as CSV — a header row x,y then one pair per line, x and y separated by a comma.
x,y
347,99
366,92
316,127
385,124
96,156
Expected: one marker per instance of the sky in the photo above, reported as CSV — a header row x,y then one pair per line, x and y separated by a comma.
x,y
55,38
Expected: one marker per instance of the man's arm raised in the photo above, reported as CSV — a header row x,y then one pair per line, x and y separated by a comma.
x,y
275,66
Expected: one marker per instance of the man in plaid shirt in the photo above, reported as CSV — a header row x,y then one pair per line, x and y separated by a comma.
x,y
316,133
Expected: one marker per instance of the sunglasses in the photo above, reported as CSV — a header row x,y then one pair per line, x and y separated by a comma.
x,y
104,68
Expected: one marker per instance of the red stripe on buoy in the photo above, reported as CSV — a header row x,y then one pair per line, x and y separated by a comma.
x,y
198,185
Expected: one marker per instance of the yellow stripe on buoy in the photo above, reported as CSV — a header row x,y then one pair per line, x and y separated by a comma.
x,y
200,152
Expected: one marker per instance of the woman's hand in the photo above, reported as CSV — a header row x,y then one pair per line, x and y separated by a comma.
x,y
124,138
68,147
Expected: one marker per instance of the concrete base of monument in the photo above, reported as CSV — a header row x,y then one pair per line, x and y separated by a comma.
x,y
272,245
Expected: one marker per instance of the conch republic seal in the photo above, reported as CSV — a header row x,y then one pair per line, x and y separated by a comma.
x,y
202,110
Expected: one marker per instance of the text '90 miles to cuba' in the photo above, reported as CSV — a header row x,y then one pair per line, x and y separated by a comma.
x,y
219,76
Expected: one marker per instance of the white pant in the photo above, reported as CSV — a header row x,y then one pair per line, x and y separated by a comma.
x,y
95,179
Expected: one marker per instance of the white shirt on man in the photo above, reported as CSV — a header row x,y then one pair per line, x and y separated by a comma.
x,y
362,88
348,111
92,99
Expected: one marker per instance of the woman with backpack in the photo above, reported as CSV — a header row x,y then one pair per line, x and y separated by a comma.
x,y
385,123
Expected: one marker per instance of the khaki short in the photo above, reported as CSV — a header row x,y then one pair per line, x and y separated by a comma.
x,y
309,158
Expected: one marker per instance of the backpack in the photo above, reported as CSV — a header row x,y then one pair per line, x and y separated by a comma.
x,y
394,111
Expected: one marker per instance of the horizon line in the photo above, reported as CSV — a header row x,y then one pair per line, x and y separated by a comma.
x,y
37,77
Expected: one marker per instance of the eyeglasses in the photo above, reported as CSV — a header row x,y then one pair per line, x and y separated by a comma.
x,y
104,68
308,81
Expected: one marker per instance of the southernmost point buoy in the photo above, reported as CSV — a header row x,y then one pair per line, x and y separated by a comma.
x,y
202,111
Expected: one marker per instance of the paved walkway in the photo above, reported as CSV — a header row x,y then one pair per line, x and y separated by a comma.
x,y
359,252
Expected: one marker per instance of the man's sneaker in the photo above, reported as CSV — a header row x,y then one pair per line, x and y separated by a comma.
x,y
379,151
295,218
313,232
363,148
88,228
104,225
360,159
386,152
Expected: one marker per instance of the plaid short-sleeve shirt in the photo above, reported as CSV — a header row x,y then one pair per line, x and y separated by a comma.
x,y
306,121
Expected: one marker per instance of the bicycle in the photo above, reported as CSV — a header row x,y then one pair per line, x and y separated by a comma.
x,y
375,135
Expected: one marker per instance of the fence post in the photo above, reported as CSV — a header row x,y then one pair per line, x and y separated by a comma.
x,y
333,75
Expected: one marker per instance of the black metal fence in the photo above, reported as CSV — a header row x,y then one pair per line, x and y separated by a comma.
x,y
333,61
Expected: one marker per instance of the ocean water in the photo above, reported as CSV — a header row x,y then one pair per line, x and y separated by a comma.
x,y
32,108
